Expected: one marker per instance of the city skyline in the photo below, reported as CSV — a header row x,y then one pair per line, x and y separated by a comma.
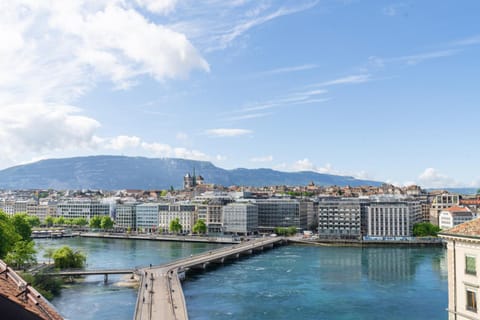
x,y
380,90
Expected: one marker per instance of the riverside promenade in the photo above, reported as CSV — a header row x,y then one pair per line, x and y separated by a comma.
x,y
160,295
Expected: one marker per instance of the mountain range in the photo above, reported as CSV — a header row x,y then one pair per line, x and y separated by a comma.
x,y
121,172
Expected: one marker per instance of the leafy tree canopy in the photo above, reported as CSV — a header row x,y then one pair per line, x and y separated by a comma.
x,y
66,257
49,221
425,229
33,221
200,227
21,225
95,222
106,223
22,255
8,235
175,225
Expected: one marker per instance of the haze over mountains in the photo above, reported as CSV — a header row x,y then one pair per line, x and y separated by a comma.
x,y
121,172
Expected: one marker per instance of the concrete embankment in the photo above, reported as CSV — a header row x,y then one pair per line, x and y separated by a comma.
x,y
160,237
369,243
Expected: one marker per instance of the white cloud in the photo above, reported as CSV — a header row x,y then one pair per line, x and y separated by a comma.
x,y
123,142
268,158
304,165
28,130
55,51
165,150
158,6
431,178
220,157
223,132
352,79
289,69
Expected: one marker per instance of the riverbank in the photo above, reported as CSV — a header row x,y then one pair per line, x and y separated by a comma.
x,y
152,237
368,243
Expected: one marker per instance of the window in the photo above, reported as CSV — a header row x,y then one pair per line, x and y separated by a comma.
x,y
470,265
471,300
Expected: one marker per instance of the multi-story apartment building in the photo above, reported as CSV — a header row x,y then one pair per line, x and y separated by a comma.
x,y
274,213
147,217
126,215
240,218
43,210
211,211
82,209
342,218
309,214
441,202
463,252
185,212
393,218
454,216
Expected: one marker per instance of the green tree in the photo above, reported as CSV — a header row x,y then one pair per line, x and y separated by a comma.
x,y
81,222
49,254
163,193
95,222
65,258
49,221
200,227
8,235
59,221
21,225
46,285
33,221
106,223
425,229
22,255
175,226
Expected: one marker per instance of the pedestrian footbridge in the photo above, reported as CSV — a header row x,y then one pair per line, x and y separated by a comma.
x,y
160,295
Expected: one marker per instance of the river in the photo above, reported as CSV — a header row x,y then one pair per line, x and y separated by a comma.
x,y
290,282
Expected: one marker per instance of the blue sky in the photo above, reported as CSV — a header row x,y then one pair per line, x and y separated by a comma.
x,y
383,90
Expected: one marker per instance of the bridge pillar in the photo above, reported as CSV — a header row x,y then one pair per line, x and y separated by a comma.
x,y
105,278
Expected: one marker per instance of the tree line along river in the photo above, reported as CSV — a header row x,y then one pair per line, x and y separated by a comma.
x,y
289,282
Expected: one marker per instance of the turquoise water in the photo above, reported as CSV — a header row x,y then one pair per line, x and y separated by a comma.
x,y
298,282
291,282
92,299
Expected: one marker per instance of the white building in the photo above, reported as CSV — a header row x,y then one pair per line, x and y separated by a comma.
x,y
184,212
82,209
440,203
463,251
393,218
147,217
454,216
126,215
240,218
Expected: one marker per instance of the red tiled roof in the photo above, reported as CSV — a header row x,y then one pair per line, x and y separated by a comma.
x,y
470,229
14,288
457,209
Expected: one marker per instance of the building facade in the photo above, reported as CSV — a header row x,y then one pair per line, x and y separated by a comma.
x,y
393,218
441,202
82,209
342,218
185,213
454,216
147,217
240,218
126,216
463,252
274,213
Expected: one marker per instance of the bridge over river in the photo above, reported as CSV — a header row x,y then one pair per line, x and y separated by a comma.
x,y
160,295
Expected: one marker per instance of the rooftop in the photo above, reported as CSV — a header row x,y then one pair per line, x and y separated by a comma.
x,y
467,229
18,297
